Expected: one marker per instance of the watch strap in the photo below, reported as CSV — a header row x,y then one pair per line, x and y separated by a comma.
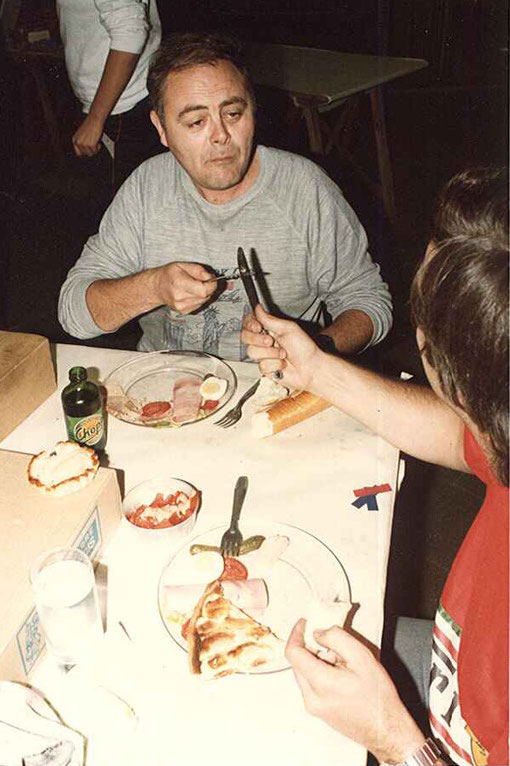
x,y
429,754
325,343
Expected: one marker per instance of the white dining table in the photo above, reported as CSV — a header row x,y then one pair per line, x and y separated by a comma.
x,y
303,477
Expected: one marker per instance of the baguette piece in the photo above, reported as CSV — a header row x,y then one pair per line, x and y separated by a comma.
x,y
287,413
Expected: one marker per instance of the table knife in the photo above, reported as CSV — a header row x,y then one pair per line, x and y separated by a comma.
x,y
251,291
247,279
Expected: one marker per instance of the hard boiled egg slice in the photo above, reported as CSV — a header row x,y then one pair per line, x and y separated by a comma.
x,y
201,568
213,388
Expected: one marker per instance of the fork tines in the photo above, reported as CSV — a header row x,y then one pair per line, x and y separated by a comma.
x,y
229,419
233,415
231,548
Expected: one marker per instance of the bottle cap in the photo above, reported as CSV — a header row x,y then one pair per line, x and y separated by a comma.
x,y
77,373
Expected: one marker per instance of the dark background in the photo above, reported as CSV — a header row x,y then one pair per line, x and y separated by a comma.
x,y
439,120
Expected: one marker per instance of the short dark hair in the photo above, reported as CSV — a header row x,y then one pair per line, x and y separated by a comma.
x,y
459,299
182,51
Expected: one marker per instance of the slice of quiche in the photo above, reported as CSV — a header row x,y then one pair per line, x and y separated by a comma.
x,y
222,639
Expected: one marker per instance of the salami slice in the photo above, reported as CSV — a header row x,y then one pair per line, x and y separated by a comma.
x,y
186,399
155,410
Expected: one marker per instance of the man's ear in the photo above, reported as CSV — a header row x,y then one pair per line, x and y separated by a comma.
x,y
159,127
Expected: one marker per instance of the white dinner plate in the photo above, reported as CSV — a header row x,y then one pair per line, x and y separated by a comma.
x,y
306,569
150,377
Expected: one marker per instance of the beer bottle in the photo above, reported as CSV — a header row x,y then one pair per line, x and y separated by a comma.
x,y
83,410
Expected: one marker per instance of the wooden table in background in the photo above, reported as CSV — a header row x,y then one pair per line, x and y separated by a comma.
x,y
319,81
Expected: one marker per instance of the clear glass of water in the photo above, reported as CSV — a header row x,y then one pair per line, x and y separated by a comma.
x,y
66,599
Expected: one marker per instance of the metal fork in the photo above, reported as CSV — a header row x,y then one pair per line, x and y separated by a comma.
x,y
231,541
232,416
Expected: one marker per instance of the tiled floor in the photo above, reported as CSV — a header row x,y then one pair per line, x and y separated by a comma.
x,y
48,211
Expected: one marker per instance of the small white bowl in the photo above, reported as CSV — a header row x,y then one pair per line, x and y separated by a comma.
x,y
145,493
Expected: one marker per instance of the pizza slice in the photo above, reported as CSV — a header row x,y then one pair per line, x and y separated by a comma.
x,y
222,639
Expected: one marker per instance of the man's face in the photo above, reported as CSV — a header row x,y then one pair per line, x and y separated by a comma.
x,y
208,126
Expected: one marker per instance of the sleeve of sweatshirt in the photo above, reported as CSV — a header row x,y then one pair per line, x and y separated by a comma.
x,y
126,22
340,265
114,252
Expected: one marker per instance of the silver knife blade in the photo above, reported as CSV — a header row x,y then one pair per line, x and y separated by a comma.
x,y
251,292
233,276
245,272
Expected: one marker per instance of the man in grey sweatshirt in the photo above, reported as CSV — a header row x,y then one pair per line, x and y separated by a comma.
x,y
180,217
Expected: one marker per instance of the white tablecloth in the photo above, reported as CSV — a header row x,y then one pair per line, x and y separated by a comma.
x,y
305,476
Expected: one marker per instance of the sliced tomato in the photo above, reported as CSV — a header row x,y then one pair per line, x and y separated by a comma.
x,y
159,501
194,501
182,517
135,517
233,569
185,628
169,503
155,409
209,404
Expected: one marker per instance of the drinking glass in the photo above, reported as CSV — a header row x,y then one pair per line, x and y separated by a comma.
x,y
65,596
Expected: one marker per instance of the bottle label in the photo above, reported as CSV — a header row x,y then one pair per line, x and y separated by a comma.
x,y
88,430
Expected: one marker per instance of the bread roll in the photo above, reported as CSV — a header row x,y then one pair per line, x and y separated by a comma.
x,y
287,413
65,468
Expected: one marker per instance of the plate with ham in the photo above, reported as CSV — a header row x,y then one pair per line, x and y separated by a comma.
x,y
169,388
234,615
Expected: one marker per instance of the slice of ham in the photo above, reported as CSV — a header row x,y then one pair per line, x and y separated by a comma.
x,y
186,399
246,594
249,595
181,598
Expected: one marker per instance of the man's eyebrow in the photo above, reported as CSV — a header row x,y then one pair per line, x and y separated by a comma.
x,y
199,107
235,100
190,108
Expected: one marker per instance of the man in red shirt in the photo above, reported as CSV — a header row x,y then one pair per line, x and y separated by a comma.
x,y
460,304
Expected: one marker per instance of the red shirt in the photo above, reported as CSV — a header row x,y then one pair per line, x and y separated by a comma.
x,y
469,673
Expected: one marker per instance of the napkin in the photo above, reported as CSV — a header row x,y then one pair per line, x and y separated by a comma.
x,y
31,733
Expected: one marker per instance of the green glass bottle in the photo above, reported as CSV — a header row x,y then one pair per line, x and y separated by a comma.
x,y
83,410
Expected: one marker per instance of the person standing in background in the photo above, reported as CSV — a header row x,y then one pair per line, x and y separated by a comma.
x,y
108,45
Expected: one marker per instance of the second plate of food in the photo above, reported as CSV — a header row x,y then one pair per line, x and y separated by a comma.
x,y
296,569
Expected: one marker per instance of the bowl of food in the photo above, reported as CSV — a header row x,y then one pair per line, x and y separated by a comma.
x,y
162,508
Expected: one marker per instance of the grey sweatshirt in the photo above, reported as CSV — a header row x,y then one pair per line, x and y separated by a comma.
x,y
306,237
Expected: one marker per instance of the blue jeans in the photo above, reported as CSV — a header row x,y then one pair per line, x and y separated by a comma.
x,y
406,655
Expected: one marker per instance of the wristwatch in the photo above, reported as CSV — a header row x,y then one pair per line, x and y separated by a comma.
x,y
428,754
325,343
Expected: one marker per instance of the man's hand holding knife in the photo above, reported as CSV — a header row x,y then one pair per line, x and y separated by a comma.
x,y
184,287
